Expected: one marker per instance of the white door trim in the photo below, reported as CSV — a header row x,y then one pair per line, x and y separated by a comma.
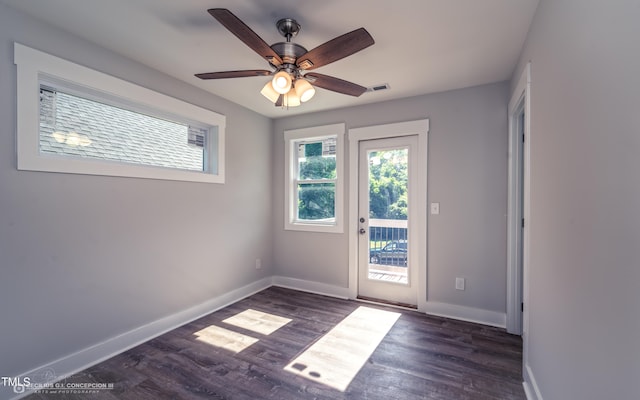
x,y
421,129
517,321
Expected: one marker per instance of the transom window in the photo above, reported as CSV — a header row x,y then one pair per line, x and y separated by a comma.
x,y
314,176
87,122
78,127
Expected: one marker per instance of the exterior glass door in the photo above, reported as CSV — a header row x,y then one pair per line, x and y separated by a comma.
x,y
385,199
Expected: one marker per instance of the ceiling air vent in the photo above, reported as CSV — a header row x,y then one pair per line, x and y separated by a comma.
x,y
377,88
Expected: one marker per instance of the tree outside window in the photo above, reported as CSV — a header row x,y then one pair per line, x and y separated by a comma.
x,y
388,177
316,184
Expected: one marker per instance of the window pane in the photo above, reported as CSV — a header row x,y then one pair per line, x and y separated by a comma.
x,y
388,182
78,127
317,160
316,201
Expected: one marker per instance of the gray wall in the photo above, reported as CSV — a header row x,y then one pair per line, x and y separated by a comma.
x,y
85,258
467,174
585,226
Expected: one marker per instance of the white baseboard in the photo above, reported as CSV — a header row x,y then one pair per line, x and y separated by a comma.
x,y
530,386
311,287
87,357
469,314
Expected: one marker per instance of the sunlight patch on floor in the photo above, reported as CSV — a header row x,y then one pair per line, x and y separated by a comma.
x,y
224,338
257,321
335,359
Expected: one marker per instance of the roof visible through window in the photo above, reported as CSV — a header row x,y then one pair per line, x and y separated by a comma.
x,y
78,127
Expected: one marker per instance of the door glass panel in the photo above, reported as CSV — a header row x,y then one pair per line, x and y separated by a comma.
x,y
388,208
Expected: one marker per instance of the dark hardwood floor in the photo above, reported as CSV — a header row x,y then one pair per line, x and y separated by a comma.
x,y
421,357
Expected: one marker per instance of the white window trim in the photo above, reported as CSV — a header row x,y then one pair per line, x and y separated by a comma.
x,y
317,132
34,66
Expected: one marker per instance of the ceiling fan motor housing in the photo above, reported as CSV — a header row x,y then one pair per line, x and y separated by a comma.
x,y
288,51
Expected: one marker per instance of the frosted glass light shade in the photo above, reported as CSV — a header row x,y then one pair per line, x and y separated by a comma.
x,y
269,92
281,82
304,90
291,99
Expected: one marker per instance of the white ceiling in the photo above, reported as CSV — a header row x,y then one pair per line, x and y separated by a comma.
x,y
422,46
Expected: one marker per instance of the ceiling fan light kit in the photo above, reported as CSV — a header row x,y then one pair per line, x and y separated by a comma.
x,y
269,92
281,82
291,99
304,90
291,84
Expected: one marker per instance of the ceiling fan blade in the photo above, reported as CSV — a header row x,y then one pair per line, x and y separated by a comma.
x,y
335,49
234,74
244,33
280,101
335,84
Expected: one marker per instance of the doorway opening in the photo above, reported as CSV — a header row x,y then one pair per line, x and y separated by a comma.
x,y
518,206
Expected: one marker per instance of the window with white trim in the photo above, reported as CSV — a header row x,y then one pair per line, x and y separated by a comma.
x,y
73,119
314,178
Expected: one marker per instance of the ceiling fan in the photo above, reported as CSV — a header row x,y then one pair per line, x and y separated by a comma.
x,y
291,82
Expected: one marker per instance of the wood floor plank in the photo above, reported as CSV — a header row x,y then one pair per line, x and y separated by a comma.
x,y
421,357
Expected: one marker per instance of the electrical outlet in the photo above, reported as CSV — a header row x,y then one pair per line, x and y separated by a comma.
x,y
258,263
459,283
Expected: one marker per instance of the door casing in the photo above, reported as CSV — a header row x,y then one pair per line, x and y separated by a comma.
x,y
518,239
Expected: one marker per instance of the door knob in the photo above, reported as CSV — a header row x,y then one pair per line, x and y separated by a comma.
x,y
362,231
